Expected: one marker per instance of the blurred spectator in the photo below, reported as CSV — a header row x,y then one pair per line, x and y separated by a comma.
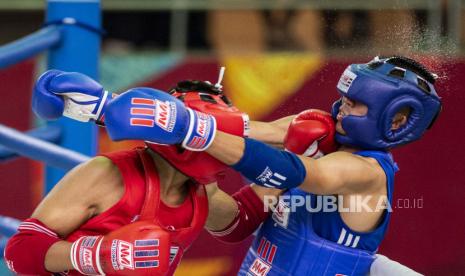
x,y
294,30
278,31
251,31
346,28
236,31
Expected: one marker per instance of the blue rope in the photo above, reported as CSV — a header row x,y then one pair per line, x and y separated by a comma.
x,y
48,133
36,149
29,46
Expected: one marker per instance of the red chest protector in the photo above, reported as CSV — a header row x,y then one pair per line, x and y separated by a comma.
x,y
141,201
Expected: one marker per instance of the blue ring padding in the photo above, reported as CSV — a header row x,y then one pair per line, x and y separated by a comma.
x,y
29,46
36,149
8,226
49,133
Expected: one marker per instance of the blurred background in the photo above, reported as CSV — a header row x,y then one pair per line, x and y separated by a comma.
x,y
281,57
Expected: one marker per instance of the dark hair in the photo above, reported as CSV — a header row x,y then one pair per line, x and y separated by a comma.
x,y
195,85
412,65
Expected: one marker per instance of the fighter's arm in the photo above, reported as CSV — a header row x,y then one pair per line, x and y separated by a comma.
x,y
383,266
83,193
80,195
77,96
234,218
341,173
272,133
336,173
222,208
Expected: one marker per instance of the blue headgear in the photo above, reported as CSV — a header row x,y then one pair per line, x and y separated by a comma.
x,y
385,88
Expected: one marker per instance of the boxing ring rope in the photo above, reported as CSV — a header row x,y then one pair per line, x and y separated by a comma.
x,y
29,46
37,149
72,35
49,133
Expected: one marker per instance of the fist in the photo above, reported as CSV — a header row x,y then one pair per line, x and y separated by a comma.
x,y
311,134
156,116
70,94
140,248
45,104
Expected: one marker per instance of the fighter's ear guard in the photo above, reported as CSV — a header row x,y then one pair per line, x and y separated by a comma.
x,y
412,121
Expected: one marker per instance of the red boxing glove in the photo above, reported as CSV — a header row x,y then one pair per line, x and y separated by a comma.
x,y
311,134
140,248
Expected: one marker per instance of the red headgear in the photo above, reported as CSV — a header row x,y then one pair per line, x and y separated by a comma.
x,y
207,98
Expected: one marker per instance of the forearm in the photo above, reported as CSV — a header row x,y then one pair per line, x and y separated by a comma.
x,y
27,250
271,167
272,133
259,162
58,258
227,148
222,211
224,208
249,213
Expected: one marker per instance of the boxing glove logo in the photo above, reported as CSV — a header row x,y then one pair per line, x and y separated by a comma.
x,y
148,112
141,254
121,255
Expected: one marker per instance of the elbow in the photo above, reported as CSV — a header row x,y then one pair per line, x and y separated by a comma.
x,y
25,251
251,213
16,258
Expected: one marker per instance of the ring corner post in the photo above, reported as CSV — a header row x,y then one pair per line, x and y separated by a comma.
x,y
79,51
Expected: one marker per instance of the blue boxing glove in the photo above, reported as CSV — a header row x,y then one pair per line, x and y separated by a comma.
x,y
70,94
156,116
45,104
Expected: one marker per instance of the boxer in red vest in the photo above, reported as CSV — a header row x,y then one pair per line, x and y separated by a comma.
x,y
131,212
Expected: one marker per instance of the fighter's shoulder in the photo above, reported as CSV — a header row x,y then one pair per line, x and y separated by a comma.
x,y
101,171
376,171
102,165
98,168
82,193
92,179
369,172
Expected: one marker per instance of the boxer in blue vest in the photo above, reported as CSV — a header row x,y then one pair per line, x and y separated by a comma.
x,y
385,103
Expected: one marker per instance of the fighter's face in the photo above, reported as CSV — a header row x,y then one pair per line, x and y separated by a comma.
x,y
349,107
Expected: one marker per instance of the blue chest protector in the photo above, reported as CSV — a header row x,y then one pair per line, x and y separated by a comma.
x,y
303,242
